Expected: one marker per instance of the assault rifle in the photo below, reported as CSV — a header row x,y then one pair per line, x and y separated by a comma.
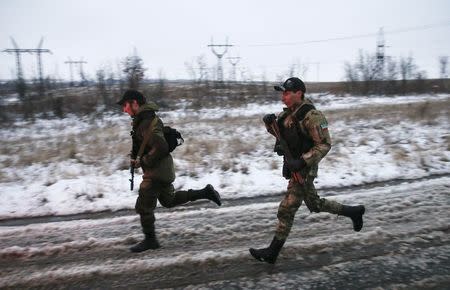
x,y
132,177
271,121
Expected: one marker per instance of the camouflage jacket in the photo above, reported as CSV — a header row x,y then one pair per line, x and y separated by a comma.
x,y
156,161
306,134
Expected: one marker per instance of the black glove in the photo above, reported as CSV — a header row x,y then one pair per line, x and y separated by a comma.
x,y
278,149
286,171
296,164
135,163
269,118
147,161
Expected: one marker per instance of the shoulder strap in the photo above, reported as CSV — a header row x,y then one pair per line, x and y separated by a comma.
x,y
147,135
301,112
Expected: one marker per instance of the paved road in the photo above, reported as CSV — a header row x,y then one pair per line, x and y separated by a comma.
x,y
404,244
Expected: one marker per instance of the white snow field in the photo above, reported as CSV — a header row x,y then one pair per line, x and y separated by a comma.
x,y
73,165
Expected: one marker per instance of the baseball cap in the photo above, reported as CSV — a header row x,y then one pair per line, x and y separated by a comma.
x,y
132,95
291,84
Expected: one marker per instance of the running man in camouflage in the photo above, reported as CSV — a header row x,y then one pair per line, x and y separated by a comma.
x,y
157,166
305,130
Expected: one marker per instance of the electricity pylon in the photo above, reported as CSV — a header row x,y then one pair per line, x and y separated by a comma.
x,y
18,51
219,55
72,62
39,50
234,60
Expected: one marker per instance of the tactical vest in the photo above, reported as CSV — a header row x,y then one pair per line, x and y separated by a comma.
x,y
298,141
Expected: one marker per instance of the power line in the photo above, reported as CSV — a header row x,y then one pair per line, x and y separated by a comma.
x,y
395,31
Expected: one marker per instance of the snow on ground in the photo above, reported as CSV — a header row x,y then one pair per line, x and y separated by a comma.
x,y
228,148
324,102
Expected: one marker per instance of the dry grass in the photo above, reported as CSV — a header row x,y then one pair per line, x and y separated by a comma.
x,y
98,147
398,153
425,112
204,149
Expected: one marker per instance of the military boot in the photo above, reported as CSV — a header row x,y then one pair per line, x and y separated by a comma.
x,y
150,242
269,254
355,213
206,193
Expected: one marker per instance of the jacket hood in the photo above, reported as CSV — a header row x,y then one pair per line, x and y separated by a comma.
x,y
146,111
149,106
305,101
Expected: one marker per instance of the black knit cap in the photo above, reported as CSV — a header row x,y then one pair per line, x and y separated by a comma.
x,y
291,84
132,95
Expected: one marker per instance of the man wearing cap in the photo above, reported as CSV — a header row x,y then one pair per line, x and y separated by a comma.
x,y
305,131
157,166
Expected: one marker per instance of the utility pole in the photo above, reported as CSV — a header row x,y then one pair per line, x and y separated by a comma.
x,y
318,71
380,56
80,67
233,61
72,62
219,56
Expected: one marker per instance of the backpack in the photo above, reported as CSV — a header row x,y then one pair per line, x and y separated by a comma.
x,y
173,137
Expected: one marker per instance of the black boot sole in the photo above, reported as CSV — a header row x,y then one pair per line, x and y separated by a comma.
x,y
138,249
214,196
259,258
357,229
142,250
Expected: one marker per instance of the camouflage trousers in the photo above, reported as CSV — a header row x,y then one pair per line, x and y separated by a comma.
x,y
150,192
294,197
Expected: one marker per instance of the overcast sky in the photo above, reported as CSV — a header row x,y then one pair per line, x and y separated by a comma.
x,y
268,36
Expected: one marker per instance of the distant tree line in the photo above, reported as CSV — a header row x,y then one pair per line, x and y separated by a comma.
x,y
55,98
371,75
99,95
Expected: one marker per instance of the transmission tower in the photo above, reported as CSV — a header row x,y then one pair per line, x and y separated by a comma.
x,y
80,63
219,55
17,51
380,56
39,50
234,60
